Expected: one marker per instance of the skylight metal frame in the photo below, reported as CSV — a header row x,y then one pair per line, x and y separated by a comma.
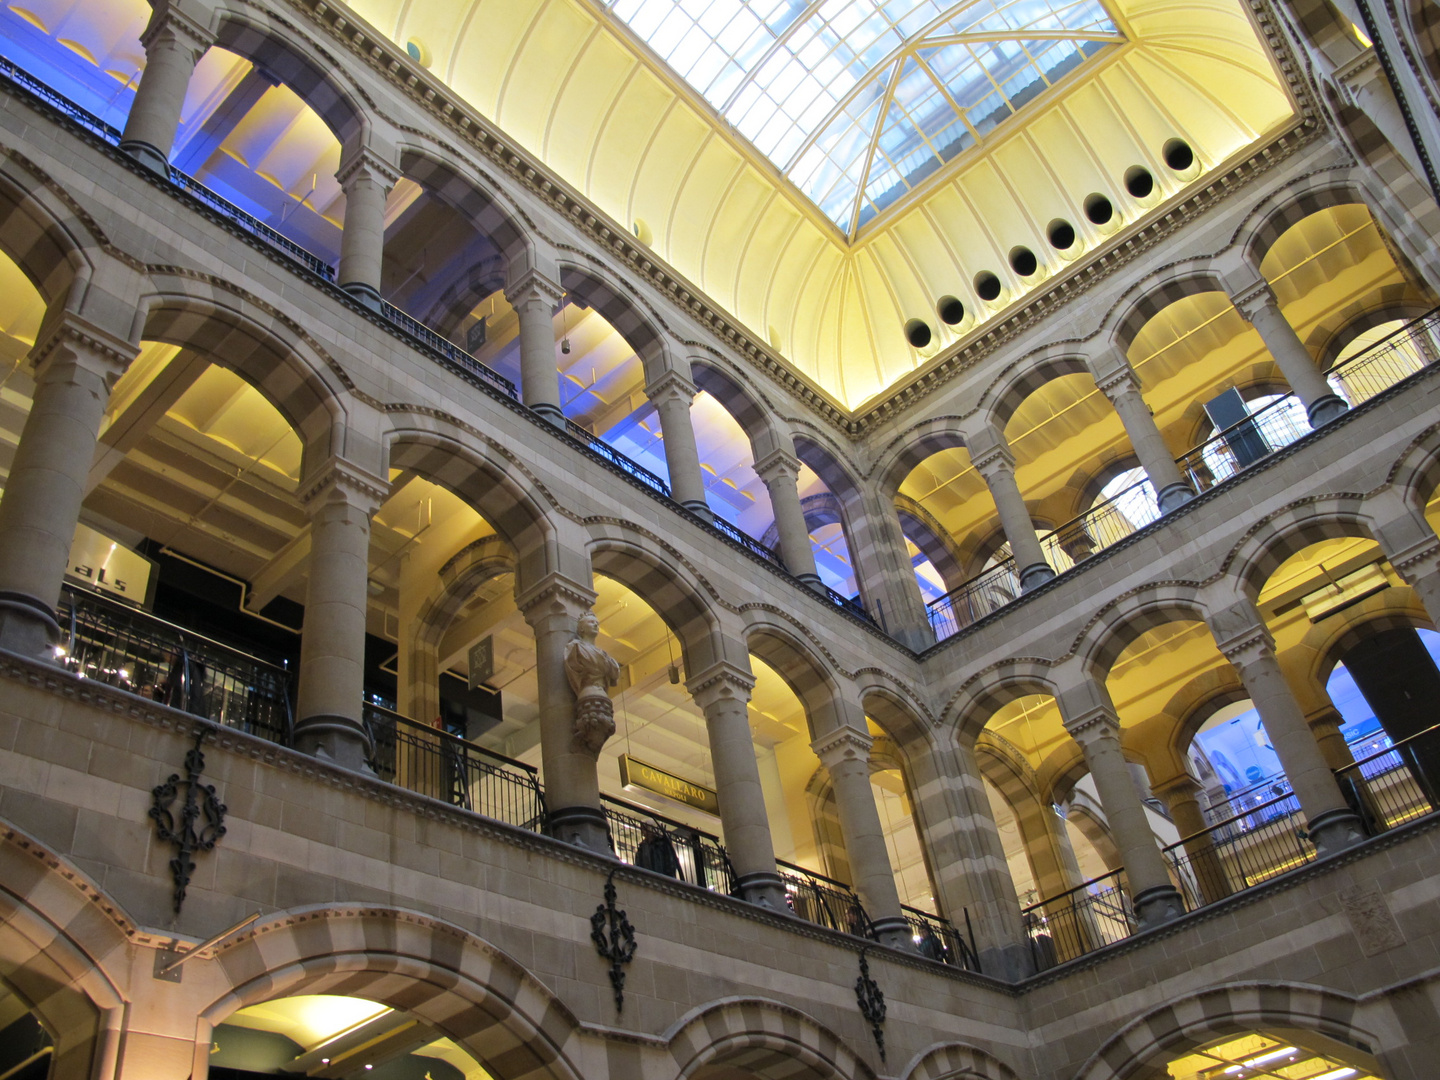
x,y
692,34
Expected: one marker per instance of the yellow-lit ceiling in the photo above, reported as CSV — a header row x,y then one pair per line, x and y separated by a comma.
x,y
581,92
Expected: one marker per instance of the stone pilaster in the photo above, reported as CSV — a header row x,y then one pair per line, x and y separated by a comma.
x,y
174,43
1116,379
366,181
671,394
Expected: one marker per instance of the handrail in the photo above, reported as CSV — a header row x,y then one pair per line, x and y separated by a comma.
x,y
1433,729
1229,821
1084,886
446,348
668,822
453,740
78,113
598,446
745,540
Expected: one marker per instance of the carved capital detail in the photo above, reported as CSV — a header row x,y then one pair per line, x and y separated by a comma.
x,y
1253,300
1248,646
777,464
176,27
1092,725
534,286
367,164
555,595
671,386
108,353
721,682
841,745
339,480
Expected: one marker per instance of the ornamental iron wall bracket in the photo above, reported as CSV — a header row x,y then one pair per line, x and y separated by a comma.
x,y
185,828
871,1000
614,939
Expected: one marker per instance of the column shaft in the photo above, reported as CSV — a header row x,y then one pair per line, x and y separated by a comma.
x,y
1182,797
996,465
534,300
1120,385
1260,309
75,368
367,185
780,471
172,49
330,702
672,398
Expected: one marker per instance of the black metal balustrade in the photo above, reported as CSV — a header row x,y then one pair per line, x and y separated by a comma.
x,y
643,838
1079,921
435,763
1240,852
1220,458
823,900
429,339
745,540
937,939
1396,785
123,646
602,449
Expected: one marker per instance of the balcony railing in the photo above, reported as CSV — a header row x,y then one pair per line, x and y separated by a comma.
x,y
1396,785
602,449
1079,921
429,339
435,763
1224,456
123,646
745,540
60,103
936,939
652,842
1240,852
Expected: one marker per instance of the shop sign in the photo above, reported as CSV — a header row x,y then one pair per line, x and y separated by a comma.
x,y
635,773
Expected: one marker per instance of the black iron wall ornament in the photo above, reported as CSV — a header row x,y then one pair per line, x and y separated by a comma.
x,y
614,938
871,1000
186,829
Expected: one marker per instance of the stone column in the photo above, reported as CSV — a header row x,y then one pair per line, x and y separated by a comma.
x,y
1324,723
1413,550
76,364
572,784
329,718
883,569
723,693
671,394
1247,644
1091,721
1116,380
995,462
845,753
780,471
366,181
534,299
1182,797
173,44
1259,308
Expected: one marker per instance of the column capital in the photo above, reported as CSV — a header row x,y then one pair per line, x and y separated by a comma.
x,y
720,682
843,744
555,594
990,452
95,347
367,164
183,27
1095,723
671,385
1417,558
533,285
1183,786
1116,380
340,481
1253,299
1246,646
777,464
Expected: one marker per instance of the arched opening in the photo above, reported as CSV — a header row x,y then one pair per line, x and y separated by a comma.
x,y
1272,1056
26,1048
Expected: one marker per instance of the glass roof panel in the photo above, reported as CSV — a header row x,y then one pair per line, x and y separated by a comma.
x,y
857,101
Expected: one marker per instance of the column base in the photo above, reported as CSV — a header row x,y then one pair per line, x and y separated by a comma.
x,y
27,626
1157,906
1335,830
1324,409
581,826
894,932
1174,496
148,156
811,581
364,292
337,739
553,413
763,889
1035,575
700,509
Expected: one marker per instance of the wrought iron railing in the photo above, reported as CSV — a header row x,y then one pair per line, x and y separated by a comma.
x,y
124,646
60,103
1220,458
446,348
937,939
1240,852
1396,785
848,603
601,448
1079,921
745,540
823,900
1103,524
435,763
653,842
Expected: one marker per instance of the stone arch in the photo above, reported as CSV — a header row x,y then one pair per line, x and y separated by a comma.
x,y
1195,702
46,239
987,692
1425,27
467,570
58,935
459,983
680,601
1290,206
1009,392
765,1038
1155,297
913,446
1391,610
1416,476
803,669
1137,1051
1398,302
1290,531
289,57
618,305
957,1061
924,530
1005,768
263,349
749,408
456,186
822,508
489,482
1130,617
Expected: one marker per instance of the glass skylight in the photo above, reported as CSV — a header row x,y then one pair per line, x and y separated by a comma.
x,y
858,101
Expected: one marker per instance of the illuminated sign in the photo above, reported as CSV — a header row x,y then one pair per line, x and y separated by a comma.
x,y
106,565
635,773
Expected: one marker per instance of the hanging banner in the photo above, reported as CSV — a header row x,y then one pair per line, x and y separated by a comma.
x,y
635,773
104,564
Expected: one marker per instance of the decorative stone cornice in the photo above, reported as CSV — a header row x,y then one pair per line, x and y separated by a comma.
x,y
1357,72
841,745
339,480
88,341
555,594
721,682
1416,559
670,385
